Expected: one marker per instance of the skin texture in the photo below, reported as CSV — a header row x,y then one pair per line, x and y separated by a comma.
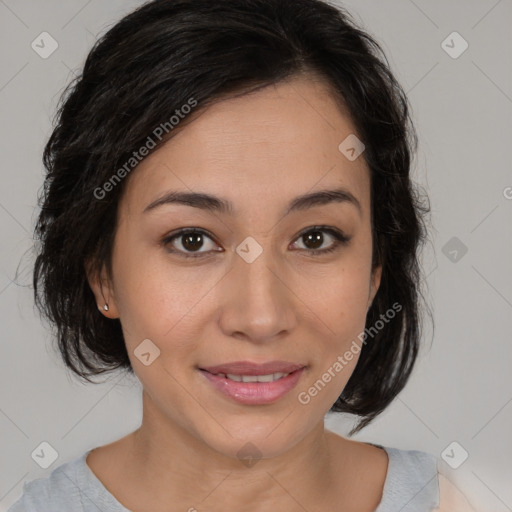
x,y
259,152
451,499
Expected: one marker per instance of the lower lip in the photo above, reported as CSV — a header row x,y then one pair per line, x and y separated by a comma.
x,y
254,393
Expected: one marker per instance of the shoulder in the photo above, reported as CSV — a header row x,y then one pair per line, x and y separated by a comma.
x,y
411,483
451,498
411,467
415,475
60,491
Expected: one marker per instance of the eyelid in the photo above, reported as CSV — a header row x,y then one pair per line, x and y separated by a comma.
x,y
335,232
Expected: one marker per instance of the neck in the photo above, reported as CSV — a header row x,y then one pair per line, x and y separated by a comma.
x,y
177,467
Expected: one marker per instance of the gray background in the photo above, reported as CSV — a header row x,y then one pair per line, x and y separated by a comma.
x,y
461,389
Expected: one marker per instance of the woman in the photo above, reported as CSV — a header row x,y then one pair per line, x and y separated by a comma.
x,y
228,215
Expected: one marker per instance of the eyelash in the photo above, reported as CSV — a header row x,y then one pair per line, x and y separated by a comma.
x,y
340,239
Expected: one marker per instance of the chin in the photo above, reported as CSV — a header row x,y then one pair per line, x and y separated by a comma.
x,y
248,441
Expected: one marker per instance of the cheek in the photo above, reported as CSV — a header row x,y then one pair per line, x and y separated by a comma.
x,y
339,298
154,299
340,307
327,383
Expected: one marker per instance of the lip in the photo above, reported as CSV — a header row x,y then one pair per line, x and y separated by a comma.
x,y
248,368
254,393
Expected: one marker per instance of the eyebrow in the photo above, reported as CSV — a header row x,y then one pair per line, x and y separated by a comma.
x,y
216,204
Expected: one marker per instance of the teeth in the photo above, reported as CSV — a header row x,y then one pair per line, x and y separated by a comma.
x,y
271,377
248,378
260,378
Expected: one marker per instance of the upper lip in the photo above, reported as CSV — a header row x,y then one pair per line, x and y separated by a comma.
x,y
248,368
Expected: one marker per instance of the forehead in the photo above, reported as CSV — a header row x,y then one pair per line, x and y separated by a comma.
x,y
277,143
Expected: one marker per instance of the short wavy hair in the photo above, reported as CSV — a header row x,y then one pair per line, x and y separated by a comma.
x,y
151,63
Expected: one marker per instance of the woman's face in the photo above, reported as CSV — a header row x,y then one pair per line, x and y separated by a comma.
x,y
256,292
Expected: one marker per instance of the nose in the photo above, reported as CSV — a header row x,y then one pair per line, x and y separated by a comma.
x,y
258,303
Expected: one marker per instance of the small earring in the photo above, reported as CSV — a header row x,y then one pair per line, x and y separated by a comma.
x,y
105,307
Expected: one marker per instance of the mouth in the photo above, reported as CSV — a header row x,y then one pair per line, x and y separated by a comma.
x,y
254,384
270,377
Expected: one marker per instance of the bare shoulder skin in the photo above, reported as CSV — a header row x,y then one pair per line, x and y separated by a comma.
x,y
451,498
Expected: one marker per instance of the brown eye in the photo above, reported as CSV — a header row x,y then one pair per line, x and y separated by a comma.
x,y
314,238
190,240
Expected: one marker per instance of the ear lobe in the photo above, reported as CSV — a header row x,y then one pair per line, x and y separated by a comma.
x,y
102,289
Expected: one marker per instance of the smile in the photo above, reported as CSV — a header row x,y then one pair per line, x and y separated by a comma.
x,y
271,377
253,384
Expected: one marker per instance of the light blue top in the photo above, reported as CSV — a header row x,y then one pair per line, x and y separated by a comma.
x,y
411,485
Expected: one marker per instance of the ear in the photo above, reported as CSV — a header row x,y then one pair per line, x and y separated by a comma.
x,y
103,290
374,284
